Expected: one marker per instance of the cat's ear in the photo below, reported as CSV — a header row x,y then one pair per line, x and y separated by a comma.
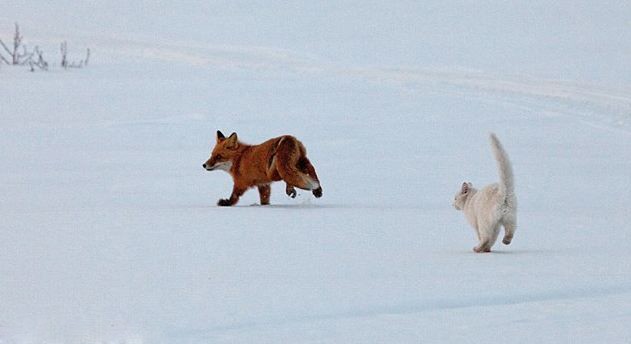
x,y
465,188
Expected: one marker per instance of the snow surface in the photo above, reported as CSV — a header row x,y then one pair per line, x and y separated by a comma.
x,y
109,231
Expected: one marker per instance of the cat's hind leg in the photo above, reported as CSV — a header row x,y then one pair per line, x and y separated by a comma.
x,y
509,230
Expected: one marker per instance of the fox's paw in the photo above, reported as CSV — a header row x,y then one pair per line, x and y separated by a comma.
x,y
224,202
317,192
507,240
291,192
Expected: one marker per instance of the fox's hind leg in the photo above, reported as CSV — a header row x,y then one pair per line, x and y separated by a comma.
x,y
305,166
264,192
290,191
294,168
295,179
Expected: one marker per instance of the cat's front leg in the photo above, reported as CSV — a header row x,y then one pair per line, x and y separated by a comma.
x,y
478,249
482,247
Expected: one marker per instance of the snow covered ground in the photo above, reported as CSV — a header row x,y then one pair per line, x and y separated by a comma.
x,y
109,231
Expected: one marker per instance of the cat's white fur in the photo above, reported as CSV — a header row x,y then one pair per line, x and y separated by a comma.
x,y
493,206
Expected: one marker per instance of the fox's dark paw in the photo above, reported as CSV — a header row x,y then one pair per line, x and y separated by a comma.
x,y
224,203
317,192
292,193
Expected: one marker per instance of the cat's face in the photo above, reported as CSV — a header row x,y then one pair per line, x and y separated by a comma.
x,y
461,196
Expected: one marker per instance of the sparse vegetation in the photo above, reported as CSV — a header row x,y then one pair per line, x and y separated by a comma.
x,y
64,58
16,53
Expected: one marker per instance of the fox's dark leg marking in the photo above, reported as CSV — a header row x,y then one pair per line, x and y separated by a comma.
x,y
234,198
290,191
264,192
317,192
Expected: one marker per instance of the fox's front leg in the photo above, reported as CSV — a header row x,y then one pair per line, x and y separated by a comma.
x,y
234,198
264,192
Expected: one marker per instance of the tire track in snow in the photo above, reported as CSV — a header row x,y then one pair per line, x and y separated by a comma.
x,y
598,105
412,308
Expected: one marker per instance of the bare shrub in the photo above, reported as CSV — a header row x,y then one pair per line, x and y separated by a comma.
x,y
17,54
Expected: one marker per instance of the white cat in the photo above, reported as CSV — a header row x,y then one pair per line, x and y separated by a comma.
x,y
493,206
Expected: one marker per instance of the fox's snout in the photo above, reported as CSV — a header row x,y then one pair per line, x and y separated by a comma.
x,y
212,165
209,165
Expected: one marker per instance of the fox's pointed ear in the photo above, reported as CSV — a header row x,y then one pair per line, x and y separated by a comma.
x,y
465,188
220,136
232,141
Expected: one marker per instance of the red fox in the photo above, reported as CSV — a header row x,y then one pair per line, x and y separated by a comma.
x,y
281,158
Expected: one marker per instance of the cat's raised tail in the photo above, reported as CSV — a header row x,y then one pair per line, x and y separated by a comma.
x,y
506,184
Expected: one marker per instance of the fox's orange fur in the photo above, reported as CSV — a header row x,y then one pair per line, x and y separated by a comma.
x,y
281,158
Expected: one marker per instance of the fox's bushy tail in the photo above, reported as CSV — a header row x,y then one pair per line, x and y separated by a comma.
x,y
506,184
